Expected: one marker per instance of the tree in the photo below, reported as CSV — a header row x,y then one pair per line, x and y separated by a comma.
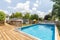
x,y
12,16
47,17
16,15
56,9
2,16
40,19
56,0
34,16
27,16
31,17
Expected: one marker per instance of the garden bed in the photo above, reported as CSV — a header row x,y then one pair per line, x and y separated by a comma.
x,y
2,22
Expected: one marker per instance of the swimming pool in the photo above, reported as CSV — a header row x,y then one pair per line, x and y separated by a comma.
x,y
41,31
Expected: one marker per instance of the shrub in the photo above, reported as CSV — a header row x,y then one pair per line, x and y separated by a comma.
x,y
2,16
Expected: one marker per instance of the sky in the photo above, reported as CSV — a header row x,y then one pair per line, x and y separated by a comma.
x,y
40,7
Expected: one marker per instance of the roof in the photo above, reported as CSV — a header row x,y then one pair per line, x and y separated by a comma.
x,y
16,19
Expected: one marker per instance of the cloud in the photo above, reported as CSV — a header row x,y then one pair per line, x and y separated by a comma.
x,y
37,1
35,5
34,8
41,14
24,6
49,10
10,7
21,7
9,1
28,2
6,12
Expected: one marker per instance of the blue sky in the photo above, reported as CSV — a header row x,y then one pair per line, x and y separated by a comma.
x,y
34,6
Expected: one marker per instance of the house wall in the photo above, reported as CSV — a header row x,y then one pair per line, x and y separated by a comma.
x,y
16,23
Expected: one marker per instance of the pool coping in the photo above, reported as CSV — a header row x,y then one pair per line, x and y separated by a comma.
x,y
26,33
55,33
57,37
30,35
16,29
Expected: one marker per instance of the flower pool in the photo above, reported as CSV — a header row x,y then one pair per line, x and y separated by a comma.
x,y
40,31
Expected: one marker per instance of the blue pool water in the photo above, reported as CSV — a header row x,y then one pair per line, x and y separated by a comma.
x,y
41,31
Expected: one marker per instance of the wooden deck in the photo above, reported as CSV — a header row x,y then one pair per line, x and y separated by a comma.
x,y
58,37
12,35
7,33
